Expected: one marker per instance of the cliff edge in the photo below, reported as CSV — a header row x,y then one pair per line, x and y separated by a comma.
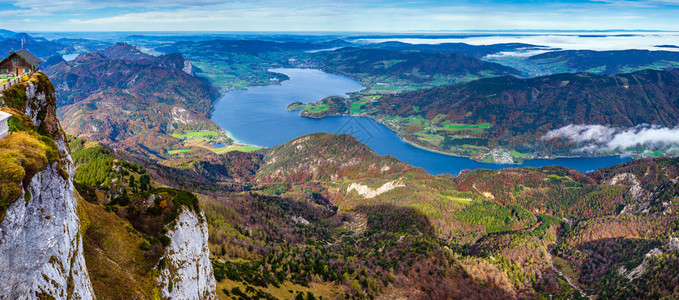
x,y
41,250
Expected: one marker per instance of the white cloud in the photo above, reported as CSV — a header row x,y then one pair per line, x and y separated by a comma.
x,y
582,133
644,136
518,53
599,137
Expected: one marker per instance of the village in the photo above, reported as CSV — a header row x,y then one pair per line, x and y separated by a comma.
x,y
12,69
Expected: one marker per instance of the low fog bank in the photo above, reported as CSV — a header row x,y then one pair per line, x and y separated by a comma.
x,y
603,138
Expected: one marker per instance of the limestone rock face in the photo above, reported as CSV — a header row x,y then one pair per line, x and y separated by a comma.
x,y
188,67
188,273
41,249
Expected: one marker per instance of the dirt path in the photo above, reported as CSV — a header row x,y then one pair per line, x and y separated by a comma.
x,y
568,279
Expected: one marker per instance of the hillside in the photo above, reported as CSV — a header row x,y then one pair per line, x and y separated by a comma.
x,y
389,71
344,212
122,66
514,114
151,106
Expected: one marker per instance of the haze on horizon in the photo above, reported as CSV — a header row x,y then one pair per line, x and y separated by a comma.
x,y
325,15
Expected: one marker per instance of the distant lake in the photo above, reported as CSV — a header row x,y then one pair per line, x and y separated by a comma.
x,y
258,116
70,57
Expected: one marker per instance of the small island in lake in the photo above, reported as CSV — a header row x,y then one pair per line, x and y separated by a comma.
x,y
329,106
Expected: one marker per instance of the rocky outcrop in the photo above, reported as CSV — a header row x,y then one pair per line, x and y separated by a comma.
x,y
367,192
181,115
41,249
188,273
188,67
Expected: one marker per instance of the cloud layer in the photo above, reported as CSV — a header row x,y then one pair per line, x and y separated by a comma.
x,y
599,137
561,40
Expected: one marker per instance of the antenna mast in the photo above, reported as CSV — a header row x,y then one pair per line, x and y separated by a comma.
x,y
22,42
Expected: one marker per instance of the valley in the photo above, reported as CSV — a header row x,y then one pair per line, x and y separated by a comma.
x,y
203,167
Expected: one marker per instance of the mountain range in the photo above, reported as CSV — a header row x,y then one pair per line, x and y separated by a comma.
x,y
123,96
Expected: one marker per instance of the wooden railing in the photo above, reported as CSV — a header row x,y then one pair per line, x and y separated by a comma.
x,y
9,83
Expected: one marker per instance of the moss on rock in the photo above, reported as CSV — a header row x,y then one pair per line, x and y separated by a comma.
x,y
28,149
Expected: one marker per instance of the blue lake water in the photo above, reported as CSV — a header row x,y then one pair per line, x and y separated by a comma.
x,y
258,116
70,57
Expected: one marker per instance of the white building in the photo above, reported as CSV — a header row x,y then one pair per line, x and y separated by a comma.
x,y
4,125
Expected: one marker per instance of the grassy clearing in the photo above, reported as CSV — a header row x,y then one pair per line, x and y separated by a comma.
x,y
436,133
355,108
196,135
319,108
309,107
429,137
519,154
235,148
178,151
464,201
458,127
205,139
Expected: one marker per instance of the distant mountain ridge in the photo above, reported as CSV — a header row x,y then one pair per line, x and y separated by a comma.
x,y
39,47
605,62
401,63
478,51
404,70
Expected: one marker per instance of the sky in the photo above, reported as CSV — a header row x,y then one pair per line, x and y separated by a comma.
x,y
326,15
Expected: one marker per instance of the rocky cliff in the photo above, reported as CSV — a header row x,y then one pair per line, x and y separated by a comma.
x,y
41,251
188,274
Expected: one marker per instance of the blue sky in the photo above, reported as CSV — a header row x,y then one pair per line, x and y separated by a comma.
x,y
326,15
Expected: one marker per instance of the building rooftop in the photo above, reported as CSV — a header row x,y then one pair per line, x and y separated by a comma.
x,y
27,56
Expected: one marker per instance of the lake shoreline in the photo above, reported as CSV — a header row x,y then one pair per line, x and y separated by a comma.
x,y
258,116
